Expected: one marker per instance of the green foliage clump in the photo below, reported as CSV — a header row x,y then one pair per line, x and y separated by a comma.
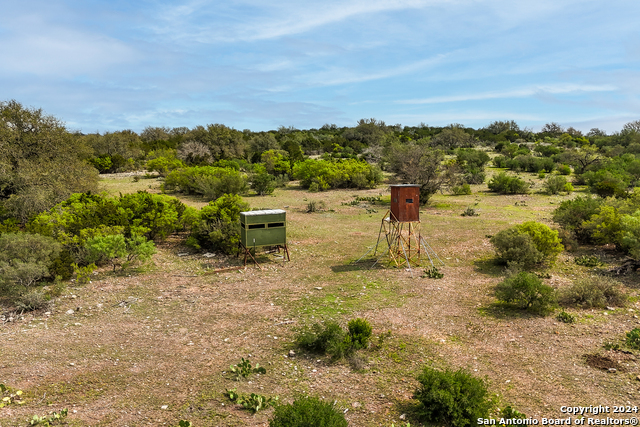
x,y
118,250
588,261
526,291
564,169
83,216
208,181
244,369
572,214
608,183
41,163
218,225
49,420
454,398
633,339
262,182
308,412
556,184
565,317
34,299
9,397
26,258
332,339
469,212
505,184
510,413
461,190
164,165
527,244
593,292
253,402
345,173
359,332
432,273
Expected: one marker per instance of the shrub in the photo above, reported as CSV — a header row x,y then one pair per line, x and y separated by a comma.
x,y
347,173
218,225
594,292
34,299
25,258
588,261
572,214
555,184
164,165
461,190
633,339
527,244
454,398
319,337
359,332
117,250
209,181
263,183
331,339
526,291
86,215
564,169
505,184
565,317
308,412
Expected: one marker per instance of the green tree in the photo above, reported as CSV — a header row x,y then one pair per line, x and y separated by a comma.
x,y
41,163
422,165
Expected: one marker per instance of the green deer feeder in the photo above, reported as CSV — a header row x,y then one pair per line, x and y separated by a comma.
x,y
263,228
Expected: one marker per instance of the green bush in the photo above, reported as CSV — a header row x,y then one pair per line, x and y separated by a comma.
x,y
528,244
633,339
86,215
461,190
262,182
346,173
34,299
118,250
572,214
218,225
564,169
593,292
308,412
208,181
360,332
26,258
526,291
332,339
556,184
505,184
454,398
164,165
319,338
565,317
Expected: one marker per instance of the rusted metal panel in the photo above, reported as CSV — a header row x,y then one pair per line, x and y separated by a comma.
x,y
405,203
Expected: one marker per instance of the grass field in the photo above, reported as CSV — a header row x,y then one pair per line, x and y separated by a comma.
x,y
153,345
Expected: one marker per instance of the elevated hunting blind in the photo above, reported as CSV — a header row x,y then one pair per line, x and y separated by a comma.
x,y
405,203
400,230
263,228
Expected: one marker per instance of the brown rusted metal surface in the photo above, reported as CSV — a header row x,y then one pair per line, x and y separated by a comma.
x,y
405,203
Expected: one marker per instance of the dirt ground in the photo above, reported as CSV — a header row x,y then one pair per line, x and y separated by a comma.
x,y
152,346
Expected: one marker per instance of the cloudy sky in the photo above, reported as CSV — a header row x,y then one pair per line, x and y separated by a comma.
x,y
253,64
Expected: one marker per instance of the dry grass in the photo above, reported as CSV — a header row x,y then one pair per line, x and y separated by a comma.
x,y
165,335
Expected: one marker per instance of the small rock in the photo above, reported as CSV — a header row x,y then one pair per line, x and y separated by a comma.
x,y
68,312
73,296
292,353
318,288
638,378
403,416
611,308
183,254
613,370
72,364
208,255
356,404
164,407
47,313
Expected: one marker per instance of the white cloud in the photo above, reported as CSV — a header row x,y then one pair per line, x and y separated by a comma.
x,y
555,89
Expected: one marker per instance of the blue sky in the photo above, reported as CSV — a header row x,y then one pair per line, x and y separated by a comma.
x,y
255,64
